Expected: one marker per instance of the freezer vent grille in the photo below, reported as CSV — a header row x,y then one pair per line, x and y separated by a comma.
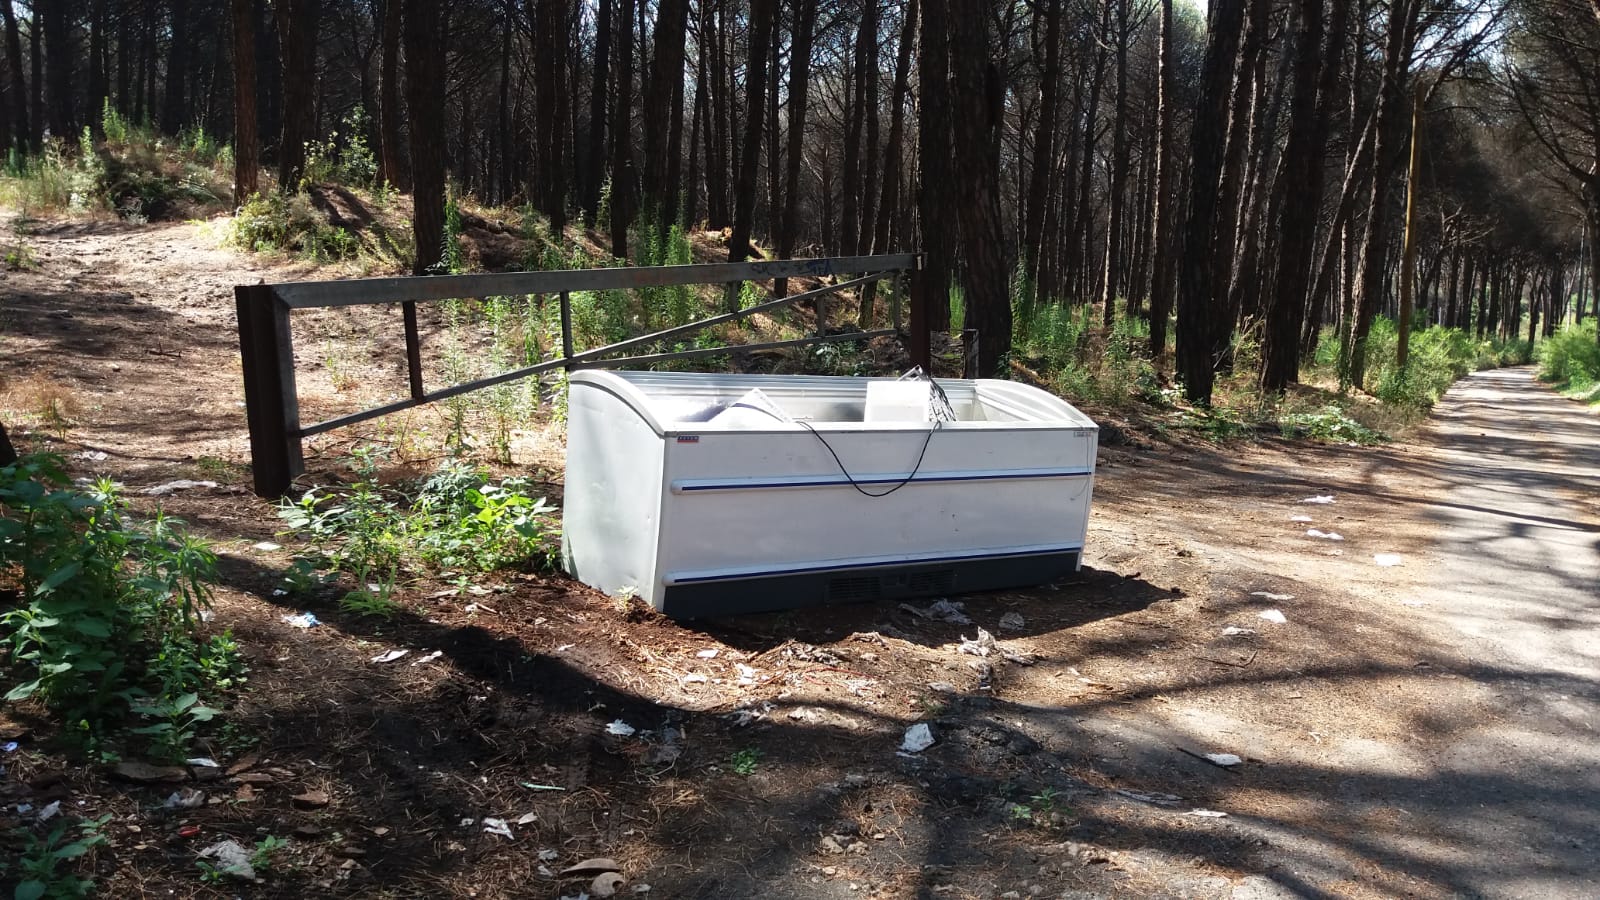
x,y
854,589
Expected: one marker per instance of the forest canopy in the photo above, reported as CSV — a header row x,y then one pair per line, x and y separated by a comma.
x,y
1268,168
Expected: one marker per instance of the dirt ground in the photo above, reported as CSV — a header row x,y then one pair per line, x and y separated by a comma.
x,y
764,761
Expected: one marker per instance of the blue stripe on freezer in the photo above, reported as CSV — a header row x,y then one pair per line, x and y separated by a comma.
x,y
851,566
691,486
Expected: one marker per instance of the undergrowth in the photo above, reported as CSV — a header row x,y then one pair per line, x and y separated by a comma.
x,y
1570,359
457,521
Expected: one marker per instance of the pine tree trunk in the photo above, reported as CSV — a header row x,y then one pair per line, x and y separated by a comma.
x,y
666,78
622,175
761,12
1042,165
425,97
98,86
936,203
869,118
297,37
978,107
1117,192
1161,239
1198,304
246,140
52,19
8,453
804,34
18,93
888,206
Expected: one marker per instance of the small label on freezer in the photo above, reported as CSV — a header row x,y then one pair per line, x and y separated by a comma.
x,y
688,438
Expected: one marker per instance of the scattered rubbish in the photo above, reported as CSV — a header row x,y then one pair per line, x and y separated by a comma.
x,y
49,812
205,762
266,546
498,826
1013,621
747,675
1225,760
941,687
182,484
232,859
10,746
542,787
311,799
467,823
605,884
804,714
303,620
641,888
694,678
591,867
475,607
91,455
708,654
668,750
1151,797
620,729
1274,616
1325,535
1234,631
528,818
941,611
391,656
427,659
24,808
1300,518
1268,595
184,798
919,737
1321,498
1208,814
1387,559
565,647
188,831
982,645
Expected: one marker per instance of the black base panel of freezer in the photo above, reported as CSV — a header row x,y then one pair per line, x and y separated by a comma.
x,y
742,596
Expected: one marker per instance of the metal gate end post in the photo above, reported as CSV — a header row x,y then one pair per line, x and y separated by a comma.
x,y
919,345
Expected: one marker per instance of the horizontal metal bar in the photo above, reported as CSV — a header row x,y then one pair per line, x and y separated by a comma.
x,y
368,291
341,421
730,349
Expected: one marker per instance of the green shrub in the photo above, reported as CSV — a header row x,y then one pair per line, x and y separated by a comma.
x,y
108,611
1571,358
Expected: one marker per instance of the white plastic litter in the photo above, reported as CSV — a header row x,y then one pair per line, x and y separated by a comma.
x,y
708,654
427,659
1387,559
266,546
1321,498
1273,616
204,761
919,737
1234,630
391,656
498,826
1208,814
232,860
694,678
528,818
182,484
303,620
1268,595
1300,518
49,812
620,729
10,746
941,611
1224,759
184,798
1013,621
982,645
747,675
1325,535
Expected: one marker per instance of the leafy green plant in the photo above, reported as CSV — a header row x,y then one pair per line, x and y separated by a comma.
x,y
179,718
264,856
40,869
1329,424
745,762
373,599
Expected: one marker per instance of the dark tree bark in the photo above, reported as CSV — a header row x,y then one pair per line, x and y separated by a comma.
x,y
425,97
1198,304
888,206
18,93
1316,82
174,107
761,12
936,201
8,453
713,30
849,210
36,116
297,36
666,81
805,24
1044,149
1161,237
869,119
551,113
1112,282
51,17
392,140
599,89
977,102
246,141
97,64
622,176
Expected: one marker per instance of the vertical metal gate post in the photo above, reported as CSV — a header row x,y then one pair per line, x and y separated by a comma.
x,y
272,408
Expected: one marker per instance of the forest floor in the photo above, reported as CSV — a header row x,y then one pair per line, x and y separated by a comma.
x,y
1419,723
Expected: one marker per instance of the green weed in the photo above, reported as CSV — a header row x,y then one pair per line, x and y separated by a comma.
x,y
745,762
39,868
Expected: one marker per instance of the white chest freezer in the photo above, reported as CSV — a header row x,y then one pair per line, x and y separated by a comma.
x,y
703,499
